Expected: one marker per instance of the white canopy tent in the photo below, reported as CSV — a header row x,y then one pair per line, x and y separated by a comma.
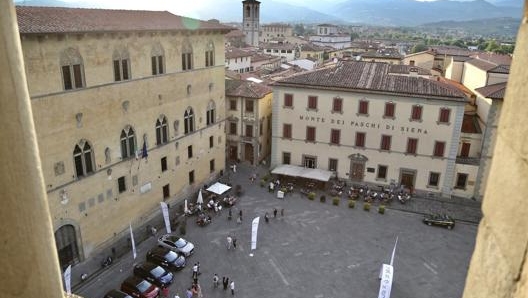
x,y
308,173
218,188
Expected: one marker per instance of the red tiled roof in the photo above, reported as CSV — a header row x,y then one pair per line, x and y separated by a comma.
x,y
497,59
495,91
235,33
33,19
231,53
247,89
489,66
406,69
374,77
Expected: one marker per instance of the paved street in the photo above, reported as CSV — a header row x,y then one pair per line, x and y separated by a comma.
x,y
316,250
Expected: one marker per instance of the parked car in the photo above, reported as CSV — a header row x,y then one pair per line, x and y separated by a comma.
x,y
140,288
439,220
116,294
154,273
176,244
167,258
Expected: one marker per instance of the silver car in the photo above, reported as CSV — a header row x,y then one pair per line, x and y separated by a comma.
x,y
176,244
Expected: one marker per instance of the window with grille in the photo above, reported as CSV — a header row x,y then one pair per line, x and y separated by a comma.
x,y
249,105
434,179
332,164
232,128
249,131
286,158
83,158
232,105
310,161
128,142
188,121
211,113
461,181
382,172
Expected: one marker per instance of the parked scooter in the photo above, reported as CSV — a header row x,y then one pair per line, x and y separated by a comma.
x,y
107,262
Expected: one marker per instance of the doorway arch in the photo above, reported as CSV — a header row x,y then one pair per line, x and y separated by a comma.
x,y
67,248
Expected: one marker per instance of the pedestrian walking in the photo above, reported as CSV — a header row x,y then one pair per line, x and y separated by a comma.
x,y
189,293
199,290
195,271
215,281
271,186
165,292
240,213
274,212
195,279
229,241
282,212
225,282
232,287
239,219
234,242
198,268
230,215
266,217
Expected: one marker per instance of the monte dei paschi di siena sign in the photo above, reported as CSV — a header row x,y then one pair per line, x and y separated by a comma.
x,y
371,125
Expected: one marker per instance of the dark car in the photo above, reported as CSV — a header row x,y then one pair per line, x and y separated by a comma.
x,y
116,294
439,220
140,288
167,258
154,273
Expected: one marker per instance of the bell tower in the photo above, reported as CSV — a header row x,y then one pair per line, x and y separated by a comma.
x,y
250,21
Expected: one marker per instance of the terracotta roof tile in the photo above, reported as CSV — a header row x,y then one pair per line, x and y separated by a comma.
x,y
246,89
33,19
489,66
231,53
495,91
406,69
373,77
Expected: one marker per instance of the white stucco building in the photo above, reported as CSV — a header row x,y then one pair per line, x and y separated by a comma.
x,y
329,35
369,125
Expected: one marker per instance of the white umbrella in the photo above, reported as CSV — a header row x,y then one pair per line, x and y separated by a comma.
x,y
200,198
186,210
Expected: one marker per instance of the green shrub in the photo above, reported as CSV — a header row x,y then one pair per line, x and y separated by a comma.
x,y
366,206
335,201
266,178
381,209
351,203
322,199
262,182
311,196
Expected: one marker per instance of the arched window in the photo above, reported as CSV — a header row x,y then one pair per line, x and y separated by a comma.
x,y
83,159
128,142
162,130
248,11
211,113
72,69
187,55
121,60
66,243
157,59
209,54
188,120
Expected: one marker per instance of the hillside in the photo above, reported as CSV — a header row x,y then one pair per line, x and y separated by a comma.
x,y
488,27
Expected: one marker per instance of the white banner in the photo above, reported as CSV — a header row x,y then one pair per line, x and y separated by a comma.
x,y
67,280
254,230
133,242
386,281
165,211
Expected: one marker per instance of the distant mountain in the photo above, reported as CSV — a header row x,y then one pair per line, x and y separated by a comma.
x,y
412,13
507,3
487,27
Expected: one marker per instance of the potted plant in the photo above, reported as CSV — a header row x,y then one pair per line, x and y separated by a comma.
x,y
335,201
366,206
311,196
322,199
381,209
351,203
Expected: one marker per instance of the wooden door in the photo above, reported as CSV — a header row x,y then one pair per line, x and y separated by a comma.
x,y
464,152
357,171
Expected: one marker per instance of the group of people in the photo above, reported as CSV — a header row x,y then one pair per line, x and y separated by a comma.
x,y
275,211
272,185
231,242
225,283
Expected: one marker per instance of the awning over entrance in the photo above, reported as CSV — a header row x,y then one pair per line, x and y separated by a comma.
x,y
219,188
297,171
